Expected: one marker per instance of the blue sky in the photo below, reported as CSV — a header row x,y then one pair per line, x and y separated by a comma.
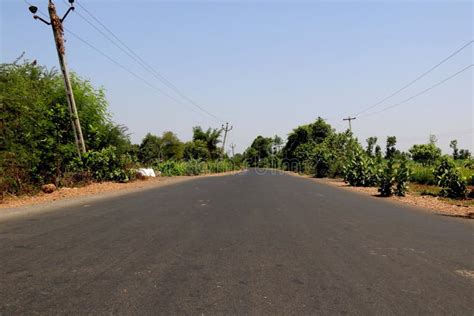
x,y
269,66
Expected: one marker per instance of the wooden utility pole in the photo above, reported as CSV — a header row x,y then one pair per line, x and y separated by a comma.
x,y
58,32
349,119
226,129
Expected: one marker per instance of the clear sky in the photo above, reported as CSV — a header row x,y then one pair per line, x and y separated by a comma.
x,y
269,66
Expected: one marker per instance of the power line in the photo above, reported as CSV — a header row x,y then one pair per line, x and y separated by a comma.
x,y
421,92
129,52
127,70
417,78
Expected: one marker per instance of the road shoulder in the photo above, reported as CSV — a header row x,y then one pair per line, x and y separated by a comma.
x,y
426,203
65,197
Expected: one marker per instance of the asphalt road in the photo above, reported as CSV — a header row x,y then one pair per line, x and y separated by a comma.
x,y
239,244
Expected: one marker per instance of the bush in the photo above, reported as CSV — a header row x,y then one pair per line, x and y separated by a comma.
x,y
387,179
361,170
105,165
452,184
422,175
426,154
394,176
401,178
321,162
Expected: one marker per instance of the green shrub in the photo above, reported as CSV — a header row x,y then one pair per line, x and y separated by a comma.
x,y
452,184
422,175
105,165
321,162
401,178
387,179
361,170
426,154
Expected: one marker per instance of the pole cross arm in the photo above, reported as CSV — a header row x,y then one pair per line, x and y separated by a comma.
x,y
41,19
67,12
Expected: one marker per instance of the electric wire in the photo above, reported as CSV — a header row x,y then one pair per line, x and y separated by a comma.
x,y
417,78
131,53
419,93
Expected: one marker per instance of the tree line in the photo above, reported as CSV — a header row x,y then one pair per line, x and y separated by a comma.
x,y
317,149
37,142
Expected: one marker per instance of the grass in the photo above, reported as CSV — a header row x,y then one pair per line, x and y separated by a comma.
x,y
433,190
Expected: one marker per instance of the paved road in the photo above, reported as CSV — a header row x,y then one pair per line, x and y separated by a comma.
x,y
247,244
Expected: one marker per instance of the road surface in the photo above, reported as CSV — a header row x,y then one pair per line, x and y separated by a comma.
x,y
239,244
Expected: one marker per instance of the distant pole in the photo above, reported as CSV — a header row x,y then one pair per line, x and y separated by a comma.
x,y
58,31
232,146
349,119
226,130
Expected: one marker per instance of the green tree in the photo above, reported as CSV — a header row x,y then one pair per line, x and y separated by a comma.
x,y
37,143
371,142
211,138
390,150
319,130
171,146
150,149
426,154
260,149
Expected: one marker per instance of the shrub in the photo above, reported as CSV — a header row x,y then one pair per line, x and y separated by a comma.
x,y
426,154
321,162
422,175
401,178
361,170
387,179
105,165
452,184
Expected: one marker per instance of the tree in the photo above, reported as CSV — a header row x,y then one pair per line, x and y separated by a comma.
x,y
277,142
454,146
426,154
300,135
261,148
171,146
460,154
36,139
390,147
150,149
378,152
196,150
371,141
211,138
320,130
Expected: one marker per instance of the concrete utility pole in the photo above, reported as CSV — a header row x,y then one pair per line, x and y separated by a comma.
x,y
225,129
232,145
349,119
58,32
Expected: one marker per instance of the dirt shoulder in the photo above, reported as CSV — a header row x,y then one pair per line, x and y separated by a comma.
x,y
96,190
429,203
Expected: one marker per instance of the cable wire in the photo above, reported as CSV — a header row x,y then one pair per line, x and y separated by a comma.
x,y
417,78
129,52
420,93
127,70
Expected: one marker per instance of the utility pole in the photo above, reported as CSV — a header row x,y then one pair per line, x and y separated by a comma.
x,y
349,119
225,129
58,32
232,145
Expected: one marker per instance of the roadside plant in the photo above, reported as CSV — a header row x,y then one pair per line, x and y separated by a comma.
x,y
105,165
321,162
452,184
401,178
361,170
387,179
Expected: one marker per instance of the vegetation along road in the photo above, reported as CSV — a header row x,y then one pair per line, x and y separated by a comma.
x,y
238,244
